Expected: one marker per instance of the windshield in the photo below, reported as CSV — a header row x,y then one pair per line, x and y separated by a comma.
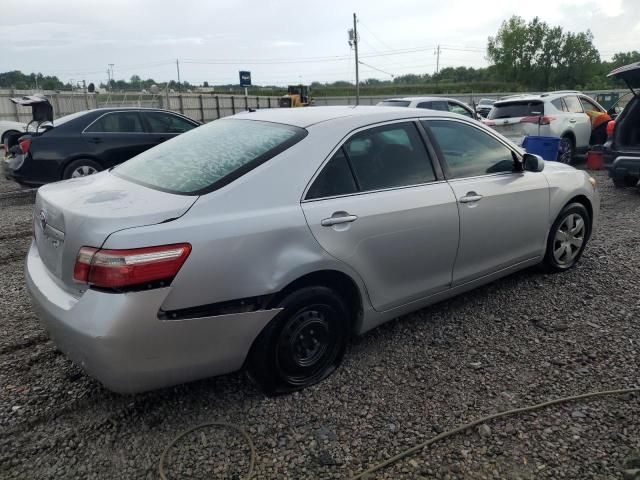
x,y
524,108
209,157
394,103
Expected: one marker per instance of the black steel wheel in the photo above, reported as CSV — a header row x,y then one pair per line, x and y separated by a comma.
x,y
303,344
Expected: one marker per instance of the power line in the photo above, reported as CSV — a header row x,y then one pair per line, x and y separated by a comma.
x,y
375,68
374,35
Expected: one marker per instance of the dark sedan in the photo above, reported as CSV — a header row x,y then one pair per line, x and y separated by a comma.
x,y
87,142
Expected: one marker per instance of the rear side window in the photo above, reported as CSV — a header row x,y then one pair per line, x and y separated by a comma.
x,y
573,104
335,179
210,156
516,109
117,122
394,103
375,159
559,104
434,105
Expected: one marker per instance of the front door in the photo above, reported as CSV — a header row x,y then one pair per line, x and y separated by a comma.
x,y
504,215
378,206
579,121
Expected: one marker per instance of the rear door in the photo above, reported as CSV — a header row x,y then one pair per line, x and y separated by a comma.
x,y
504,216
162,126
116,137
378,206
579,122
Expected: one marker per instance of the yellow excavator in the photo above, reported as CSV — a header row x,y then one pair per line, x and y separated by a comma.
x,y
297,96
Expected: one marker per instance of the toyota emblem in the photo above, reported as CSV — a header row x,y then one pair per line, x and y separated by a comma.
x,y
43,219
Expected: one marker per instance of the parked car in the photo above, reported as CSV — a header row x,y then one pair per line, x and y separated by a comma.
x,y
87,142
622,149
9,128
431,103
484,106
269,238
554,114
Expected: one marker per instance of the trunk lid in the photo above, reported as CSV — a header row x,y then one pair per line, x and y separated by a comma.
x,y
85,211
506,118
629,74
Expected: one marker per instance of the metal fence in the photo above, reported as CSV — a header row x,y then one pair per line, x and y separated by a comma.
x,y
203,107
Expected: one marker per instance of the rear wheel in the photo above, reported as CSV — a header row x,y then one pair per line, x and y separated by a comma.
x,y
303,344
567,238
81,168
7,134
567,150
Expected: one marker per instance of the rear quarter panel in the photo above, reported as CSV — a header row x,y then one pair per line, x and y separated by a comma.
x,y
250,237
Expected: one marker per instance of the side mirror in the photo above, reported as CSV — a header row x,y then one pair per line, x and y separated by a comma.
x,y
532,162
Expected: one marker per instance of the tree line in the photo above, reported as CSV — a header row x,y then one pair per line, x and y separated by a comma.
x,y
523,56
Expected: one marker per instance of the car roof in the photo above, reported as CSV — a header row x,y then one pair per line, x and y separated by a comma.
x,y
525,97
361,115
420,99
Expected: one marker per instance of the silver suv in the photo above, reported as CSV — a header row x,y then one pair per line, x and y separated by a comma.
x,y
555,114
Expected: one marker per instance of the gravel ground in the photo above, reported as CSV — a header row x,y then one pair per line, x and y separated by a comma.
x,y
519,341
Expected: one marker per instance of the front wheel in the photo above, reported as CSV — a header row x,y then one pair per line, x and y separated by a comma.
x,y
567,238
303,344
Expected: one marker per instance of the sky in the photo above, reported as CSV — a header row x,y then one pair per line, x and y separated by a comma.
x,y
280,42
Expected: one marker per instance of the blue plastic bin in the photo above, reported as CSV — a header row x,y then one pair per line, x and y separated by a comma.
x,y
546,147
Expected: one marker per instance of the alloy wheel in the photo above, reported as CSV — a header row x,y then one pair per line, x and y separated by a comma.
x,y
569,239
566,150
83,171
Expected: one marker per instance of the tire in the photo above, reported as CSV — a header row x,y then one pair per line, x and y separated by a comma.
x,y
81,168
6,134
282,359
567,233
624,182
567,150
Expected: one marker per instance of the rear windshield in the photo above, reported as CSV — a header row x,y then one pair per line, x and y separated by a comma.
x,y
394,103
516,109
210,156
67,118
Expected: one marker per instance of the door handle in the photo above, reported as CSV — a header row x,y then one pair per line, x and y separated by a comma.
x,y
338,219
471,197
573,120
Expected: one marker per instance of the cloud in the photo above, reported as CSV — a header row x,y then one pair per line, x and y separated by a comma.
x,y
284,43
178,41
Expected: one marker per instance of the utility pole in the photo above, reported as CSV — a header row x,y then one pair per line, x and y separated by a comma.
x,y
353,42
110,73
178,68
438,59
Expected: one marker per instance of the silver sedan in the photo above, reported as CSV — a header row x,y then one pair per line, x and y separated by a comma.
x,y
267,239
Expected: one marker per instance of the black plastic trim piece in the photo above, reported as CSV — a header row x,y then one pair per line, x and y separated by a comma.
x,y
241,305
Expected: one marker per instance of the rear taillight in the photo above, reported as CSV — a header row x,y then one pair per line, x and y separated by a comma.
x,y
611,127
540,120
25,145
126,268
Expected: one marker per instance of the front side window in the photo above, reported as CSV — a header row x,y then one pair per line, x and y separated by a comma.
x,y
468,151
573,104
160,122
117,122
394,103
210,156
588,106
459,109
